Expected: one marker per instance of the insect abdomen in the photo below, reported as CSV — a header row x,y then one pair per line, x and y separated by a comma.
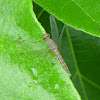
x,y
62,61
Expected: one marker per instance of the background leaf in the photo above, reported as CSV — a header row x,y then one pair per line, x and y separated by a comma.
x,y
79,14
33,76
82,54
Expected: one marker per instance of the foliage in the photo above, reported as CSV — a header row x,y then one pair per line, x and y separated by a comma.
x,y
28,76
80,50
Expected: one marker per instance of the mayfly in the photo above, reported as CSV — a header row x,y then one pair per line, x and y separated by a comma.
x,y
52,43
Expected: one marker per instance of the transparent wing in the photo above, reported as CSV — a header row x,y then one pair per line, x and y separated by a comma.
x,y
30,47
54,29
60,37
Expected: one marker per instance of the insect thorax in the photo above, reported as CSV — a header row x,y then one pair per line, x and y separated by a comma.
x,y
51,44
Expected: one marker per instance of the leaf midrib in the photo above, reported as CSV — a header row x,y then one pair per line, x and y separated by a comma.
x,y
76,65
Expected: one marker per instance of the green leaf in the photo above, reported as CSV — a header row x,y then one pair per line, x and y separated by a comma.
x,y
82,55
27,76
83,58
79,14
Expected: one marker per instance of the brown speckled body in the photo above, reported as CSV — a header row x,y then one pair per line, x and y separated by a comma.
x,y
53,46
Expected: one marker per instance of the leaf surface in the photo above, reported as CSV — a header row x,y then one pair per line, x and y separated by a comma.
x,y
79,14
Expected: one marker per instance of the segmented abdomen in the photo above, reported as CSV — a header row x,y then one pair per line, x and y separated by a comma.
x,y
62,61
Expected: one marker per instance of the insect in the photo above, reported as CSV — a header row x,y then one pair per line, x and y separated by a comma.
x,y
54,42
53,45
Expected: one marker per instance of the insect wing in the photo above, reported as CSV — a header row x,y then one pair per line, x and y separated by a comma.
x,y
29,47
60,37
54,29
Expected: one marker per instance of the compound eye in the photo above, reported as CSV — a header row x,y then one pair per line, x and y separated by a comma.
x,y
45,35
